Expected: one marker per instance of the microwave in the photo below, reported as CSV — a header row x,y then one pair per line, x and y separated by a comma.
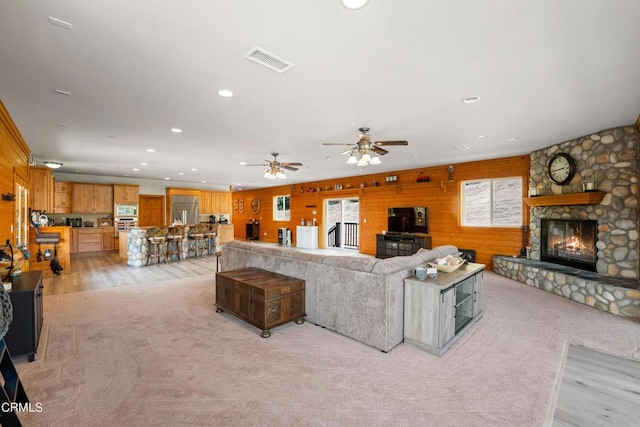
x,y
126,210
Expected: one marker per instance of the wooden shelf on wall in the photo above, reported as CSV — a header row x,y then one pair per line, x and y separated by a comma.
x,y
586,198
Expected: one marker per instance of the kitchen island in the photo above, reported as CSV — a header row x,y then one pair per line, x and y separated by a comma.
x,y
133,244
49,250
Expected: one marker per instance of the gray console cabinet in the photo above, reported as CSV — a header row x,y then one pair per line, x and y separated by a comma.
x,y
438,311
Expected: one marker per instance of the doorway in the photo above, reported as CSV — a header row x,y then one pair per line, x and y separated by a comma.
x,y
342,223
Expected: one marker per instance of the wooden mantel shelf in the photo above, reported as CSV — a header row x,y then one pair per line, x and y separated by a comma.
x,y
586,198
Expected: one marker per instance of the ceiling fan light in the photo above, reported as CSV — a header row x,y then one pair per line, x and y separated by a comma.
x,y
375,161
53,165
362,163
352,160
281,175
366,157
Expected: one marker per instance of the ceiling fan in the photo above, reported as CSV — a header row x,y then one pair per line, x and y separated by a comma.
x,y
364,147
275,168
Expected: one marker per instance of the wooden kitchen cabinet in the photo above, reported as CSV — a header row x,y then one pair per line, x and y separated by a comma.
x,y
126,194
40,189
108,236
90,239
215,202
73,244
62,197
92,198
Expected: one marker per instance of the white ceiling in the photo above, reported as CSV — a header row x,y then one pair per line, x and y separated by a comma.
x,y
546,71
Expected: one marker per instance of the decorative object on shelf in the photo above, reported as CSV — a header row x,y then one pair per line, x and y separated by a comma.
x,y
391,178
534,192
255,205
9,197
365,148
561,168
105,222
450,170
448,264
422,178
362,185
589,182
11,262
275,169
374,183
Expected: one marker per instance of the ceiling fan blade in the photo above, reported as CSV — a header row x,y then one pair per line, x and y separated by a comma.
x,y
259,164
291,164
347,151
337,143
379,150
288,167
391,143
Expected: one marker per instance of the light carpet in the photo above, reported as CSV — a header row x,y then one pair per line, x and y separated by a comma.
x,y
157,354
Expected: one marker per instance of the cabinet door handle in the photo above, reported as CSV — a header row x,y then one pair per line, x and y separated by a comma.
x,y
475,296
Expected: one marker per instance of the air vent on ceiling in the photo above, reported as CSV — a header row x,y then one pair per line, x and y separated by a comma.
x,y
269,60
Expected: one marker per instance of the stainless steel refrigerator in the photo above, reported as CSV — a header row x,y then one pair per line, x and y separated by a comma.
x,y
185,209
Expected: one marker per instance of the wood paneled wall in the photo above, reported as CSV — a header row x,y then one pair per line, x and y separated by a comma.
x,y
14,168
440,195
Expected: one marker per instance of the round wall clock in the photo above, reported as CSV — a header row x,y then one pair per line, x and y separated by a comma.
x,y
255,205
561,168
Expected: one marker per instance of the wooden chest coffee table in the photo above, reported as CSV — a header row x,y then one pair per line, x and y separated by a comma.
x,y
260,297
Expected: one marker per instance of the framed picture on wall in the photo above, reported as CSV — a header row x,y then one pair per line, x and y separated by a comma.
x,y
241,206
235,206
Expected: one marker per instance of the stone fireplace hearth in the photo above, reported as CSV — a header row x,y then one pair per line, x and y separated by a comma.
x,y
611,156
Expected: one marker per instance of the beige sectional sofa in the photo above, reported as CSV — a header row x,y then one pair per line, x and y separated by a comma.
x,y
359,297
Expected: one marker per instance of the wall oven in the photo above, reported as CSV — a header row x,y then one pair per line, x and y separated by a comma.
x,y
125,224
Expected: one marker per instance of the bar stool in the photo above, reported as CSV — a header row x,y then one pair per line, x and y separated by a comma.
x,y
195,239
211,236
174,242
157,239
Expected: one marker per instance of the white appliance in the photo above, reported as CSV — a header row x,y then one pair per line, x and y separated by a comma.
x,y
124,224
284,236
307,237
126,211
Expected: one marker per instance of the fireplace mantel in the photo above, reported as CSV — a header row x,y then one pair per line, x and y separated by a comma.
x,y
586,198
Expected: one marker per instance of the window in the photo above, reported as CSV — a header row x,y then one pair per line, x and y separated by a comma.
x,y
281,208
492,202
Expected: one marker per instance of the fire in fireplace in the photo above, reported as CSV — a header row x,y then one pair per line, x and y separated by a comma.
x,y
569,242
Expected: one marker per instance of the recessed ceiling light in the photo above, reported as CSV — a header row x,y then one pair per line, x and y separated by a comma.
x,y
194,169
150,150
176,130
63,92
225,93
512,139
167,178
180,173
204,182
416,155
354,4
480,136
243,163
462,147
144,164
471,100
135,169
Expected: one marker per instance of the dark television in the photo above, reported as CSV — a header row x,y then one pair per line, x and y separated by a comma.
x,y
408,220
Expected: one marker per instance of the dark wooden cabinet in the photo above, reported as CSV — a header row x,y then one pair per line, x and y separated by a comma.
x,y
389,245
24,331
261,298
253,231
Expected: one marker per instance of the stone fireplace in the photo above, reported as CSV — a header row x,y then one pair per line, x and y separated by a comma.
x,y
569,242
584,245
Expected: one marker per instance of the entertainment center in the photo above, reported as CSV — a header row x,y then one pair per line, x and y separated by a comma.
x,y
396,244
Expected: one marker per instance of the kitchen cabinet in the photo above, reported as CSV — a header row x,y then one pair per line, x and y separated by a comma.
x,y
73,246
126,194
108,239
438,311
92,198
90,239
215,202
40,189
62,197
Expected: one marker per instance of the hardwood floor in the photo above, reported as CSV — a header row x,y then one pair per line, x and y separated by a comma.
x,y
98,270
598,389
